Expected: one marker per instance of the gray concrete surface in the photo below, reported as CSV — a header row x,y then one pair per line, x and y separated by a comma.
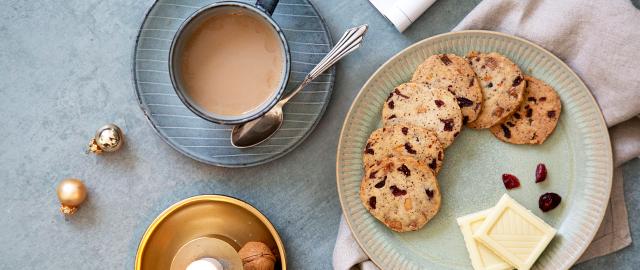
x,y
65,70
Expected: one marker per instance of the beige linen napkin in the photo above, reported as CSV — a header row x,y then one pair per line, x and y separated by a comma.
x,y
599,39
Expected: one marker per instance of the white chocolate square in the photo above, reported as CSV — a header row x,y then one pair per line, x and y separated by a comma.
x,y
514,233
482,258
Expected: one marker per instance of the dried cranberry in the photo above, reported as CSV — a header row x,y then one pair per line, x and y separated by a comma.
x,y
391,104
516,115
529,112
432,165
531,99
445,60
506,131
551,114
392,116
381,183
405,130
549,201
439,103
448,124
541,173
542,99
429,193
396,191
510,181
464,102
372,202
399,94
405,170
368,149
372,175
465,119
517,81
410,150
490,85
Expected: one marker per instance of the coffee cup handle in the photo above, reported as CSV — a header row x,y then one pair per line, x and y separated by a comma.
x,y
267,6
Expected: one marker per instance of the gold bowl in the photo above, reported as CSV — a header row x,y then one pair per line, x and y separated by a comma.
x,y
215,216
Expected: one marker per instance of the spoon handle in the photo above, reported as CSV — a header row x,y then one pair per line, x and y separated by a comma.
x,y
349,42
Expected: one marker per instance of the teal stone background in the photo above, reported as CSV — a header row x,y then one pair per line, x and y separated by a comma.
x,y
65,70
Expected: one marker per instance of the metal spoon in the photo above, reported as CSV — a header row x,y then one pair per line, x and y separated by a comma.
x,y
262,128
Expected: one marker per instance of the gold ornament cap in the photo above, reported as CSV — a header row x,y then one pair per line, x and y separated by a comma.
x,y
71,193
108,138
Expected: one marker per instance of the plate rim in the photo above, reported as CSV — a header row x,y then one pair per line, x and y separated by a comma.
x,y
295,145
581,84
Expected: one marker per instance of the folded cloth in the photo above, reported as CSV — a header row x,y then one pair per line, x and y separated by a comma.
x,y
599,40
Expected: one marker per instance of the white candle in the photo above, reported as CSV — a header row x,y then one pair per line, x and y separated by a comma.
x,y
205,264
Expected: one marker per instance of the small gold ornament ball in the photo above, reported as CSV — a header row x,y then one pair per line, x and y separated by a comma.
x,y
108,138
71,193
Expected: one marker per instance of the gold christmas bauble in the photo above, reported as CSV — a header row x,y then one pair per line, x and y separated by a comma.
x,y
108,138
71,193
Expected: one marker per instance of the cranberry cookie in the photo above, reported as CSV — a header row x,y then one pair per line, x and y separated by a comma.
x,y
536,118
404,140
401,193
422,105
502,86
453,73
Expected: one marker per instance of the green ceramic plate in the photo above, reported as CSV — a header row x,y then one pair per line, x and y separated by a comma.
x,y
577,155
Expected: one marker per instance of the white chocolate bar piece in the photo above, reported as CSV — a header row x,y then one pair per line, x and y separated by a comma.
x,y
514,233
482,258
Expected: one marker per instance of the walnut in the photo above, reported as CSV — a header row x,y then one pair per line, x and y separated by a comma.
x,y
257,256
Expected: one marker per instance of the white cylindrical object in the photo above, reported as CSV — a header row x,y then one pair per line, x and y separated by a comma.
x,y
402,13
205,264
